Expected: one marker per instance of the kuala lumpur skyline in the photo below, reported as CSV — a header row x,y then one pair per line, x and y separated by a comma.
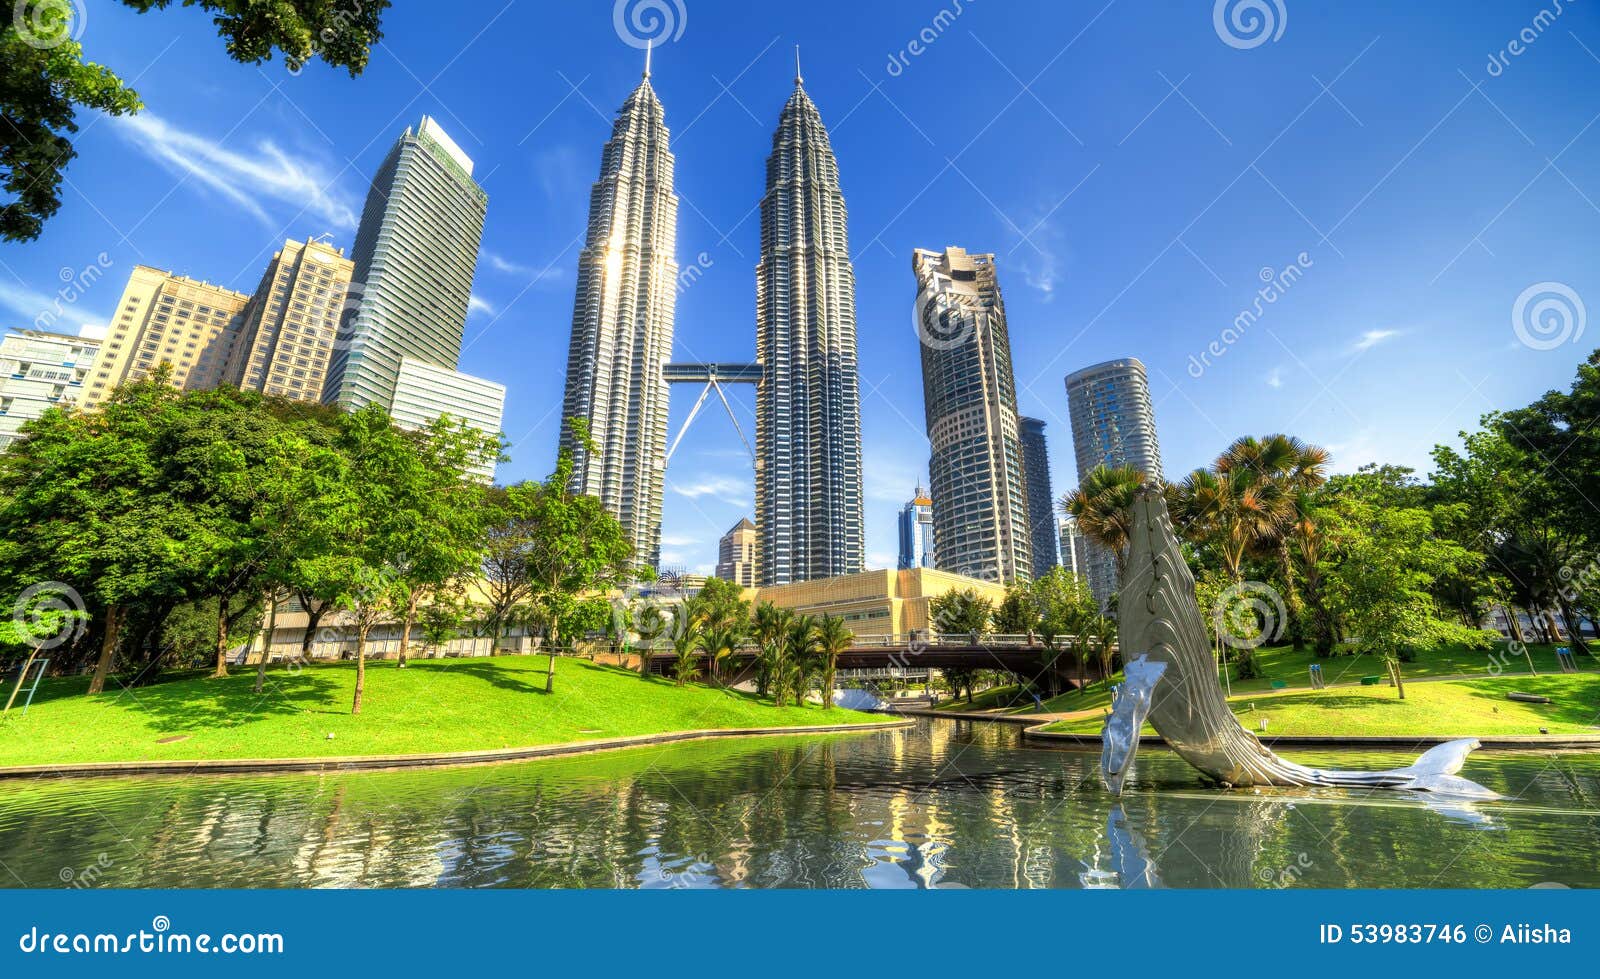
x,y
1121,278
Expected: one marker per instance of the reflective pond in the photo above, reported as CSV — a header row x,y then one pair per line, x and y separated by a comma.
x,y
941,804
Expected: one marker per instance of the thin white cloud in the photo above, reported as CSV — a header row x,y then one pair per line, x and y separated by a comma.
x,y
246,179
478,304
878,560
54,314
677,540
502,264
505,266
1372,338
1275,378
725,488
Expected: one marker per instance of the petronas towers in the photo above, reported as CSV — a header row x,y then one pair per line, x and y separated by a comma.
x,y
808,416
808,405
622,323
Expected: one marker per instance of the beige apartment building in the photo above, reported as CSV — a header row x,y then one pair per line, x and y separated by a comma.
x,y
164,318
878,603
277,341
291,322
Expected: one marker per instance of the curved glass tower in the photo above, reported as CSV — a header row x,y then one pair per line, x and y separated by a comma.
x,y
622,322
808,402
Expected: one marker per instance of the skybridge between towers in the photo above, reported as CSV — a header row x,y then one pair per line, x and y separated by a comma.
x,y
713,376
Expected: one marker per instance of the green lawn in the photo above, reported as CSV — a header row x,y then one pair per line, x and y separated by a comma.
x,y
1285,664
1461,708
432,705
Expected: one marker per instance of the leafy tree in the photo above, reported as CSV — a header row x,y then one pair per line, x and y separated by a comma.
x,y
686,650
1018,613
799,659
44,80
769,627
1063,602
961,612
720,640
1383,564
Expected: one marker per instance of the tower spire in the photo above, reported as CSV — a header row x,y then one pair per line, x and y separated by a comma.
x,y
647,45
798,79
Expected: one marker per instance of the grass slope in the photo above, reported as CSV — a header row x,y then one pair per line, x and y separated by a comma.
x,y
1285,664
1461,708
431,705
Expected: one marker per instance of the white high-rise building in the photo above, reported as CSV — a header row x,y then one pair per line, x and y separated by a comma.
x,y
39,371
424,391
1112,425
622,321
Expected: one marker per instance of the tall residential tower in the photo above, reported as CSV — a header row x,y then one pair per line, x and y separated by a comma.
x,y
622,324
1112,425
808,402
980,494
415,254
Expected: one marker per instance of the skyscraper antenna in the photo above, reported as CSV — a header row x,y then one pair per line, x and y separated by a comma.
x,y
798,80
647,45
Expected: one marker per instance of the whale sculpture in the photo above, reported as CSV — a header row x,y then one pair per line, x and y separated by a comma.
x,y
1171,683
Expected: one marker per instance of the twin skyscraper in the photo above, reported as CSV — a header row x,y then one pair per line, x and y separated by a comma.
x,y
808,412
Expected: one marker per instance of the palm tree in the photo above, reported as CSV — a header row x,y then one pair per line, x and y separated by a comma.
x,y
1290,468
800,644
1103,506
770,625
1104,631
832,638
1229,512
685,646
719,641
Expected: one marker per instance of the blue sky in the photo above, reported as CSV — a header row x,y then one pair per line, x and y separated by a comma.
x,y
1134,172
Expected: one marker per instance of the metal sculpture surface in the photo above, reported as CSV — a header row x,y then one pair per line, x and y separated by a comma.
x,y
1171,682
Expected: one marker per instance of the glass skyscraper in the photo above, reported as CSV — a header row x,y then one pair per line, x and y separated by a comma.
x,y
916,532
415,254
622,319
808,402
1041,503
1112,425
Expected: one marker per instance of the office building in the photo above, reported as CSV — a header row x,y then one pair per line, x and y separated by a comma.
x,y
916,532
1041,502
39,371
980,493
808,401
423,392
1112,425
415,253
622,321
878,603
291,322
736,554
193,327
